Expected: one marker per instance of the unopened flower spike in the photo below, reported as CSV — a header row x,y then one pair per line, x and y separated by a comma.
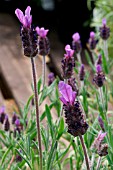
x,y
104,30
68,63
82,73
76,43
99,60
76,46
98,145
104,34
99,77
101,123
6,123
2,114
51,78
28,33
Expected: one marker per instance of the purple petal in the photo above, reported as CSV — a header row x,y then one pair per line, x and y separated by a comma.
x,y
104,21
66,91
41,32
2,109
92,34
25,22
98,68
63,100
27,11
29,21
73,97
76,37
101,135
19,15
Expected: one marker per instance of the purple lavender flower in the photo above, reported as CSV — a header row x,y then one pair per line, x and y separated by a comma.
x,y
2,114
99,77
68,63
82,73
6,123
76,43
72,109
92,41
28,33
43,41
51,78
100,148
104,30
26,19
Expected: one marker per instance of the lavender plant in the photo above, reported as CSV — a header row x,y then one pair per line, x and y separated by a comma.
x,y
81,138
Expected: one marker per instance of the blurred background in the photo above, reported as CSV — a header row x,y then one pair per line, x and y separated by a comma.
x,y
62,17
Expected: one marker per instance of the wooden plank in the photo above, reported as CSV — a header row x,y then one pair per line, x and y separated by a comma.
x,y
1,99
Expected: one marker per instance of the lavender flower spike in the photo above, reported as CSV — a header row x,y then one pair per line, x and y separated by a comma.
x,y
92,41
68,95
26,19
76,37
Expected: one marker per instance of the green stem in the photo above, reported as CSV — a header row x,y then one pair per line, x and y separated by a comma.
x,y
98,163
37,109
85,152
43,71
106,50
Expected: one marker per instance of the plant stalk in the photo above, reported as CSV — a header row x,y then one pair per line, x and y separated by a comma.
x,y
10,163
37,109
98,163
106,50
43,71
85,152
92,160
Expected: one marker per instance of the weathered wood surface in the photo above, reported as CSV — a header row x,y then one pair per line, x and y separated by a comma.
x,y
15,67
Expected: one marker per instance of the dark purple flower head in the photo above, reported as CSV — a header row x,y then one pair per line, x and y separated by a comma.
x,y
51,78
41,32
6,123
99,77
14,117
69,51
82,73
76,43
101,123
26,19
68,95
104,30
